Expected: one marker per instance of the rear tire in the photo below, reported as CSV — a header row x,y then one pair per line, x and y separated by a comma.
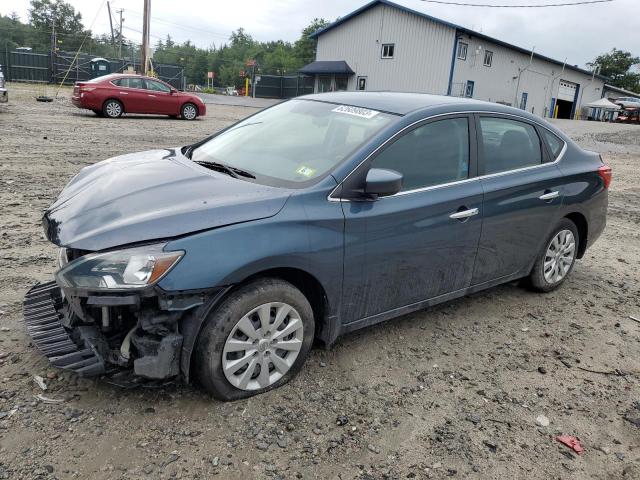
x,y
557,258
189,111
112,108
246,331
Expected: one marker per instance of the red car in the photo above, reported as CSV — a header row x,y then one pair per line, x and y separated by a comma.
x,y
113,95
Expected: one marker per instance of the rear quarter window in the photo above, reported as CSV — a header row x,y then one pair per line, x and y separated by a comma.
x,y
554,143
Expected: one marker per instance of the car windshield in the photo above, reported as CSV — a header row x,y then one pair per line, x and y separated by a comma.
x,y
293,143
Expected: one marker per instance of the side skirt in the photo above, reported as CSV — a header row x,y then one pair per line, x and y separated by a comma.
x,y
397,312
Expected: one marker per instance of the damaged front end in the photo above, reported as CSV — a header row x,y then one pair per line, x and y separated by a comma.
x,y
105,315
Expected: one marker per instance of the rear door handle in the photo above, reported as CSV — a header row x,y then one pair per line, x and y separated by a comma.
x,y
469,212
123,93
151,95
549,196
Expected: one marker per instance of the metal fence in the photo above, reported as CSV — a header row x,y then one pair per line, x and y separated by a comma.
x,y
65,67
276,86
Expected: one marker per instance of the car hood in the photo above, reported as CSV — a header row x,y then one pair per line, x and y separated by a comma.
x,y
152,195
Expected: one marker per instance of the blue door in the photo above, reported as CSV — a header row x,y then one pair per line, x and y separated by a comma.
x,y
522,195
420,243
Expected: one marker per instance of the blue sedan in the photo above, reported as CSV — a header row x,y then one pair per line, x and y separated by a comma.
x,y
222,262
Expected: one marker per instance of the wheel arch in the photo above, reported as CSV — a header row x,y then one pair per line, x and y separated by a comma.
x,y
580,221
192,103
117,100
308,284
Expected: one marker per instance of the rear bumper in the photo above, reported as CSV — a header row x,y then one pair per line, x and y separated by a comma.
x,y
77,101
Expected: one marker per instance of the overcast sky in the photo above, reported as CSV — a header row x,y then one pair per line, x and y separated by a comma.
x,y
578,33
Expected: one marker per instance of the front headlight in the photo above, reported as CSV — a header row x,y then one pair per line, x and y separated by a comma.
x,y
121,269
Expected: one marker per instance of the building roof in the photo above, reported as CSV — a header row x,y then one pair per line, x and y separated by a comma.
x,y
459,28
401,103
628,93
327,67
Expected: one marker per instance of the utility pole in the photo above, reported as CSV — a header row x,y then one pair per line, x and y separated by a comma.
x,y
120,33
54,43
113,38
521,71
145,36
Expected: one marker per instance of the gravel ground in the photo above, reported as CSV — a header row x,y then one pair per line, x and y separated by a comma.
x,y
453,391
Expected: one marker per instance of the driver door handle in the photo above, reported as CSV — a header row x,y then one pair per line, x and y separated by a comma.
x,y
549,195
469,212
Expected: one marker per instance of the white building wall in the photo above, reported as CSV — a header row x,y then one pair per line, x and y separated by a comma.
x,y
498,83
422,57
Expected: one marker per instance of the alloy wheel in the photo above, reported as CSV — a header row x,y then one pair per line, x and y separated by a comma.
x,y
189,112
559,256
113,109
263,346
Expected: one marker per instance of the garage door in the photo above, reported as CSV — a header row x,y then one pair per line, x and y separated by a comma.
x,y
567,91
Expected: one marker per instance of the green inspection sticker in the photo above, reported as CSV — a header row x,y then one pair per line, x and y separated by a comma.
x,y
306,171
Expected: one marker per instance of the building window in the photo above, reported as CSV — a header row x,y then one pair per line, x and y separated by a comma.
x,y
462,50
387,50
488,58
468,92
342,81
324,83
362,83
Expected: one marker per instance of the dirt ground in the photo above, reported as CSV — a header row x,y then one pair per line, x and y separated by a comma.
x,y
453,391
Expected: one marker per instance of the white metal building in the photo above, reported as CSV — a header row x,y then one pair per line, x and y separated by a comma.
x,y
386,46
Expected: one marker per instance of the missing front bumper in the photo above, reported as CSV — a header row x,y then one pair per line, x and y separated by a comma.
x,y
78,343
43,310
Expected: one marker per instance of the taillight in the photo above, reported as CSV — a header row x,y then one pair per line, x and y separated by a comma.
x,y
605,173
86,89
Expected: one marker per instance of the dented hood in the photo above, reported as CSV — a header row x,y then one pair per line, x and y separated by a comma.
x,y
152,195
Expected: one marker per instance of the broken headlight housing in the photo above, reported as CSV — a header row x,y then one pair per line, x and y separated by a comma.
x,y
126,269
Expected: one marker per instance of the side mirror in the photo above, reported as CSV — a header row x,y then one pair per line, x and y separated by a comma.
x,y
382,182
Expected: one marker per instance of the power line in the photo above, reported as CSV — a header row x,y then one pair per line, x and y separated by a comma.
x,y
489,5
182,26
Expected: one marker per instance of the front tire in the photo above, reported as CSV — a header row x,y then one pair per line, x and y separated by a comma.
x,y
112,108
557,258
189,111
256,340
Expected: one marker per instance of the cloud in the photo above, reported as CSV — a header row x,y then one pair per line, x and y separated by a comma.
x,y
577,33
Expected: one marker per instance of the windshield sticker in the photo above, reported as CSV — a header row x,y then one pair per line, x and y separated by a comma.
x,y
356,111
306,171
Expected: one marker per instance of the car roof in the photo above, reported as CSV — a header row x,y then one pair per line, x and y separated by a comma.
x,y
402,103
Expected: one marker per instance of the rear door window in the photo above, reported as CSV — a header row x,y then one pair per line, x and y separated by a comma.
x,y
430,155
508,145
129,82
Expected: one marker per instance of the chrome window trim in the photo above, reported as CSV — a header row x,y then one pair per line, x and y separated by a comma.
x,y
331,198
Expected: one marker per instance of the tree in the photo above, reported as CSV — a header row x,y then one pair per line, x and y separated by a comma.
x,y
617,65
68,23
43,13
305,47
